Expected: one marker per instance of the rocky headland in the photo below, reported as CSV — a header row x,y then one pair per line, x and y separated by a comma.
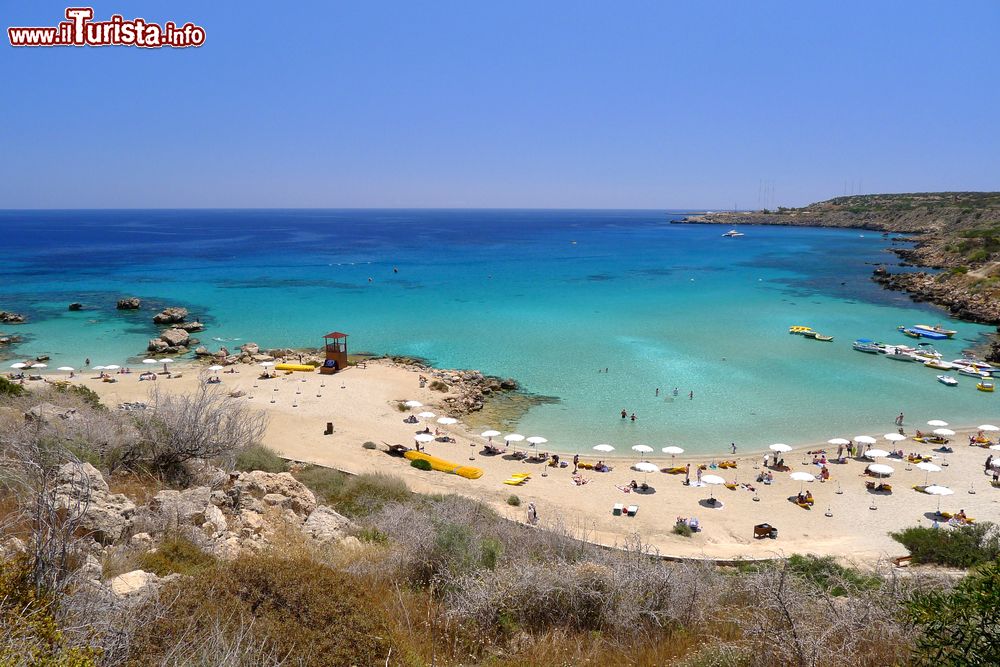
x,y
957,234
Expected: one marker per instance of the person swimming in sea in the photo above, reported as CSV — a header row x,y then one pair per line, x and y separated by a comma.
x,y
624,413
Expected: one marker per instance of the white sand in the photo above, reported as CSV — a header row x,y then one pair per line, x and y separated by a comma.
x,y
365,409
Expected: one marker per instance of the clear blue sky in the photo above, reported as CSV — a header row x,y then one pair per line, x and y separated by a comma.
x,y
476,103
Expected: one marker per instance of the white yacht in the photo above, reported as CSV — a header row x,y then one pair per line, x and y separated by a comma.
x,y
732,234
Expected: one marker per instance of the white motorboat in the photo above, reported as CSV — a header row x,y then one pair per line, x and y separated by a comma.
x,y
732,234
947,380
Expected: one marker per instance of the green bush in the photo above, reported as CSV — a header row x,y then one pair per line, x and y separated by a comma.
x,y
10,388
353,496
513,500
176,554
369,445
980,255
401,406
683,529
832,577
437,385
300,610
86,394
421,464
959,627
964,546
260,457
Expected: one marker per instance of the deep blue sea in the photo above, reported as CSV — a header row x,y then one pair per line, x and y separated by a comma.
x,y
548,297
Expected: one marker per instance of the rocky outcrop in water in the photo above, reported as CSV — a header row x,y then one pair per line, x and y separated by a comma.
x,y
171,341
171,315
76,305
129,303
7,317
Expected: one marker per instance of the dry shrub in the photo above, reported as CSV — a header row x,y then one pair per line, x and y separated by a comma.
x,y
292,607
787,619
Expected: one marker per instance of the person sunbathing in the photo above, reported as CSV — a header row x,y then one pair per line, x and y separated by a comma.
x,y
579,480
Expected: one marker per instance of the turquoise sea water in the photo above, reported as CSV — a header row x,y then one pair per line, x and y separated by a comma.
x,y
549,297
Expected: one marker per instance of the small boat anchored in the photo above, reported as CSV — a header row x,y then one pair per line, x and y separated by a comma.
x,y
985,385
947,380
733,234
936,331
866,345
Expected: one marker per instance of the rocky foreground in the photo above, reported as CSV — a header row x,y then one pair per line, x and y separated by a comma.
x,y
956,233
228,514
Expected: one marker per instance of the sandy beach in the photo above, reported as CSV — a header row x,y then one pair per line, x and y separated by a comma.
x,y
847,520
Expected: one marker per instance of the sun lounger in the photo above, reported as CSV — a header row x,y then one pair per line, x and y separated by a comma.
x,y
617,509
632,509
516,481
732,486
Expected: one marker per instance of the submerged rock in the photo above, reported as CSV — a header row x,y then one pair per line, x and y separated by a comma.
x,y
129,303
7,317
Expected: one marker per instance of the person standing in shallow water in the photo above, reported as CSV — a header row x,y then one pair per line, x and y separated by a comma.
x,y
899,419
576,462
734,448
632,417
624,413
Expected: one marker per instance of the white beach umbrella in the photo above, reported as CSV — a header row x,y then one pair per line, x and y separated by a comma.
x,y
604,448
881,469
864,439
537,440
19,365
65,368
170,361
712,480
513,437
645,466
894,437
112,367
423,437
937,422
876,453
928,468
489,433
215,368
38,366
427,414
409,404
98,368
988,427
447,421
801,477
150,361
642,449
943,432
672,450
938,491
780,447
995,447
838,441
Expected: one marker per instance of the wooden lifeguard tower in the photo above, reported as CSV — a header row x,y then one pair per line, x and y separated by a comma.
x,y
335,344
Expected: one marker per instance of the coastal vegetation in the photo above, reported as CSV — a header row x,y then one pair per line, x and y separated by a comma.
x,y
963,547
410,579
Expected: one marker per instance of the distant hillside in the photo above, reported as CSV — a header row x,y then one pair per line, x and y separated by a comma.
x,y
955,231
